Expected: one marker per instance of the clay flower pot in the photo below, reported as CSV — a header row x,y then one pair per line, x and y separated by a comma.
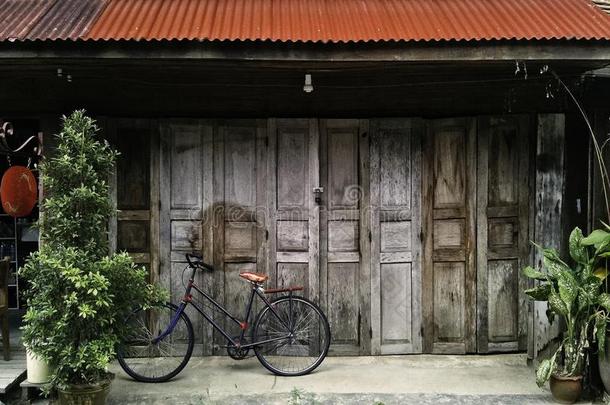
x,y
566,390
90,394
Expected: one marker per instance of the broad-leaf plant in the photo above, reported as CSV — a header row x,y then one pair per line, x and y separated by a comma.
x,y
574,292
78,294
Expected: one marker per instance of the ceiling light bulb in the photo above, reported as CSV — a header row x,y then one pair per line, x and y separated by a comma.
x,y
308,87
60,72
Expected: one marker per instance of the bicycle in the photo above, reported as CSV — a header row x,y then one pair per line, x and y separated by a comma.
x,y
290,335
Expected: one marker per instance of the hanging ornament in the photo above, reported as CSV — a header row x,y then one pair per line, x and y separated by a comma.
x,y
18,191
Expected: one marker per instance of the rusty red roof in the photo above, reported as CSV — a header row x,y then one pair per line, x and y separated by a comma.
x,y
47,19
327,21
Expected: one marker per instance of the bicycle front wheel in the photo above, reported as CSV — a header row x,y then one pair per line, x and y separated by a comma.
x,y
294,337
152,352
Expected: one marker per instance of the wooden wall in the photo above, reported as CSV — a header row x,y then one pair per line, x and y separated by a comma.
x,y
415,245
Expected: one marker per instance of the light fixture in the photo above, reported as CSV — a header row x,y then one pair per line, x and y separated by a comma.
x,y
308,87
69,78
60,72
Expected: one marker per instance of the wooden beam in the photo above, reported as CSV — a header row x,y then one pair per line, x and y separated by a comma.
x,y
270,51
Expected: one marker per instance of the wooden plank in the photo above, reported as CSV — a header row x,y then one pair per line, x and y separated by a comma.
x,y
262,240
375,246
524,246
549,201
471,270
155,203
11,375
218,229
365,243
134,215
272,201
416,235
314,212
428,224
214,51
482,244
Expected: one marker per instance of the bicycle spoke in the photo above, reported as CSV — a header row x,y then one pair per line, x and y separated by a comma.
x,y
159,361
302,350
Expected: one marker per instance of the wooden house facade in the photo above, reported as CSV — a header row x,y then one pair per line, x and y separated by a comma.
x,y
402,192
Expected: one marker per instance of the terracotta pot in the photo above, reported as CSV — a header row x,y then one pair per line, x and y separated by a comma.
x,y
91,394
566,390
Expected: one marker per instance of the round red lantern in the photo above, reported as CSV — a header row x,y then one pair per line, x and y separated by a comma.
x,y
18,191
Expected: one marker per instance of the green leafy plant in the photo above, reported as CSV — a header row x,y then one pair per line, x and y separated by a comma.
x,y
574,292
78,294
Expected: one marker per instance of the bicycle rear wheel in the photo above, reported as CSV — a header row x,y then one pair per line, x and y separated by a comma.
x,y
295,338
144,356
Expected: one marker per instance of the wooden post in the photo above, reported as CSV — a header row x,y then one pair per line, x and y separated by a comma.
x,y
549,202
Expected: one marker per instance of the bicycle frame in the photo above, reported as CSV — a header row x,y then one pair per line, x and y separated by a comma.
x,y
243,325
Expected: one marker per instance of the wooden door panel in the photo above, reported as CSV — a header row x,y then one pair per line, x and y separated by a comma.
x,y
293,169
185,172
343,279
343,303
240,241
502,221
449,287
133,190
395,236
449,307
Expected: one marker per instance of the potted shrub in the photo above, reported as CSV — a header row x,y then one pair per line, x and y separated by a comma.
x,y
79,295
600,241
574,292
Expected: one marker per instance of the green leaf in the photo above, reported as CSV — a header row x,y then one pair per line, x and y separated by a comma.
x,y
604,301
589,292
557,304
577,250
544,371
596,238
530,272
553,262
600,333
539,293
568,288
601,273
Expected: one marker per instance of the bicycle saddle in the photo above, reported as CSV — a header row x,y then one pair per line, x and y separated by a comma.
x,y
254,277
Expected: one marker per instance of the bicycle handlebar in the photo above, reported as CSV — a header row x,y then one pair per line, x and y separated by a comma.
x,y
198,262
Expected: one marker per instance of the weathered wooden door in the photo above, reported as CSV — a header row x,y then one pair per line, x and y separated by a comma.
x,y
449,276
502,233
396,236
293,157
240,211
135,190
344,239
185,199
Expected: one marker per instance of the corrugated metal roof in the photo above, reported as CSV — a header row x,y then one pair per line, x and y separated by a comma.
x,y
17,17
351,20
328,21
67,19
47,19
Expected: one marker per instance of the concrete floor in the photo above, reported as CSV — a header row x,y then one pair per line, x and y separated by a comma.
x,y
421,379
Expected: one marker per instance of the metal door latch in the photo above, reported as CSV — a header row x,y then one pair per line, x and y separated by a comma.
x,y
318,194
